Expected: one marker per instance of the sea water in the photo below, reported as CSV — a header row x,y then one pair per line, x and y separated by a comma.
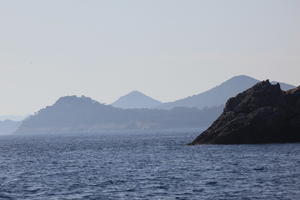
x,y
145,165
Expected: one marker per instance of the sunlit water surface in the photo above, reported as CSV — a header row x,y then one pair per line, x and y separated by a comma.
x,y
150,165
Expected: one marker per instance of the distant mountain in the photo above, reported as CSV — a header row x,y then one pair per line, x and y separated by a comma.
x,y
218,95
136,99
8,127
13,117
72,114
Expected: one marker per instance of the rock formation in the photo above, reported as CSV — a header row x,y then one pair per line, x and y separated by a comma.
x,y
261,114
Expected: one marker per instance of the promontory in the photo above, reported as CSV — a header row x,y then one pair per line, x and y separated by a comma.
x,y
261,114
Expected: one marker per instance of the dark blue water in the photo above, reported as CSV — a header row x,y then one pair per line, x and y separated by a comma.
x,y
145,166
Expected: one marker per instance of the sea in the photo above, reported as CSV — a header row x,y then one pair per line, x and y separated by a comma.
x,y
144,165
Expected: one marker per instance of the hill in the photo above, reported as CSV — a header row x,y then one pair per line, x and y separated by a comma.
x,y
218,95
13,117
136,99
8,126
72,114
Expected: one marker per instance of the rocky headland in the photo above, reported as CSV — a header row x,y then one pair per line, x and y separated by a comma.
x,y
261,114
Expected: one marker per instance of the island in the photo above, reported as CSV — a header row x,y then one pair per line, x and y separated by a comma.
x,y
73,114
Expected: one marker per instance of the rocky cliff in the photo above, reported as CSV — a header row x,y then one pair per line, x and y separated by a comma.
x,y
261,114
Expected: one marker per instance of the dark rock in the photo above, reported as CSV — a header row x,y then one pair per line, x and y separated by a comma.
x,y
261,114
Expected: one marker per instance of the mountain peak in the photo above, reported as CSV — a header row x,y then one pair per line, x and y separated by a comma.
x,y
241,78
135,92
136,99
73,99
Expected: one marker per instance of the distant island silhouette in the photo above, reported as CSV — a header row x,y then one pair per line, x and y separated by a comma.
x,y
72,114
218,95
8,127
136,99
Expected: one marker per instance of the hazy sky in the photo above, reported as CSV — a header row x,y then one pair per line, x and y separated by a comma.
x,y
167,49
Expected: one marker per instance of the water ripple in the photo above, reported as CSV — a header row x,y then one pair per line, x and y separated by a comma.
x,y
151,166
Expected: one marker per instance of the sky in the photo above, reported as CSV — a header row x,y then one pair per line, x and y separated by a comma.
x,y
167,49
